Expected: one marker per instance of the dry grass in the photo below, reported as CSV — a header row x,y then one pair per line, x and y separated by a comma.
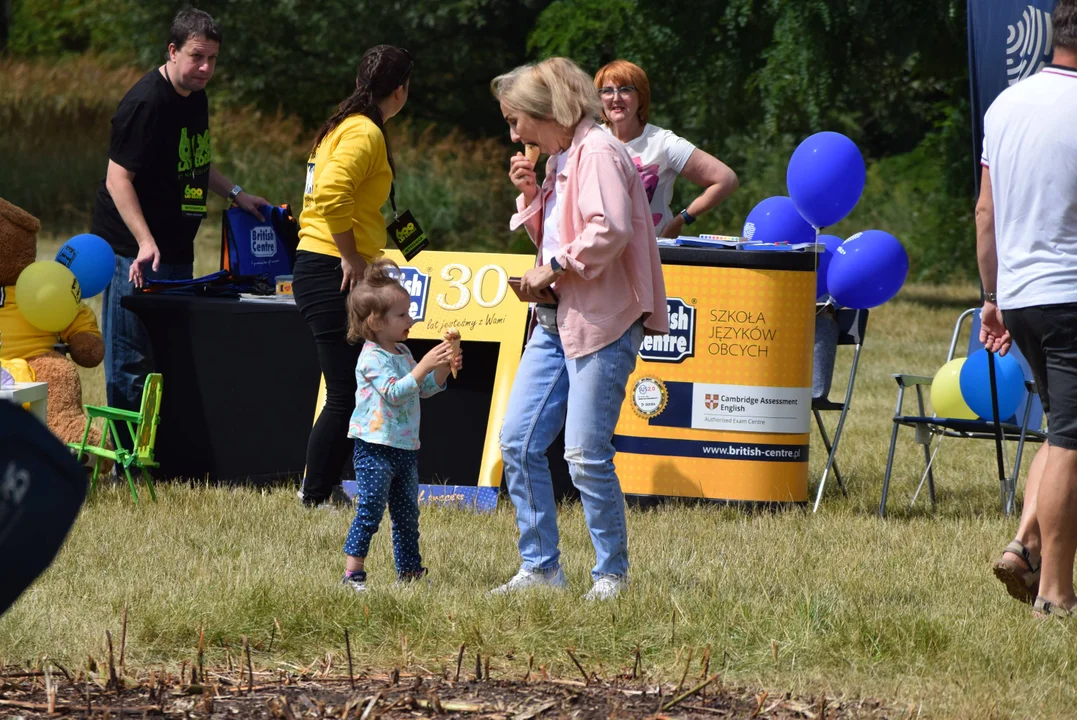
x,y
839,602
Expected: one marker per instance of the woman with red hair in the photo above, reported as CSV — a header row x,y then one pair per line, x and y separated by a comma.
x,y
659,154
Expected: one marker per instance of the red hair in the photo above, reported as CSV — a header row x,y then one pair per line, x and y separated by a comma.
x,y
622,72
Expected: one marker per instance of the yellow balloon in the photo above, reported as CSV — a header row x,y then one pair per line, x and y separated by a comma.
x,y
48,295
946,392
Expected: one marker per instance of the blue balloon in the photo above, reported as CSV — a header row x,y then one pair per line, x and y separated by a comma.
x,y
831,242
976,384
91,260
826,178
776,220
867,270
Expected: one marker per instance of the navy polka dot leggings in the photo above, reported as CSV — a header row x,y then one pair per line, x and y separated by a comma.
x,y
387,476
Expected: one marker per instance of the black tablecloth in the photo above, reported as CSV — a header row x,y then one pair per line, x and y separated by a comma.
x,y
241,382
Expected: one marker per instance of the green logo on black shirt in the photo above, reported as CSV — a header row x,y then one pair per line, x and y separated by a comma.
x,y
185,163
202,154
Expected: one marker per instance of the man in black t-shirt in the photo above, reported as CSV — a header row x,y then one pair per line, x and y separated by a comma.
x,y
153,197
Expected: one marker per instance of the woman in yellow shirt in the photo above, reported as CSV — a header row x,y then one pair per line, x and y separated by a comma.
x,y
341,229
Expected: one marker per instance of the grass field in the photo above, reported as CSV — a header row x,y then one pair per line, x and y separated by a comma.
x,y
839,602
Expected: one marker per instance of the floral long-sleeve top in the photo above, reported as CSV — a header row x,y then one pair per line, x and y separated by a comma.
x,y
387,397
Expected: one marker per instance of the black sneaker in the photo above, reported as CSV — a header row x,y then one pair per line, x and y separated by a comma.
x,y
337,500
356,581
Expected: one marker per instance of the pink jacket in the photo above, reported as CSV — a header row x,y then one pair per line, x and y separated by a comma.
x,y
613,274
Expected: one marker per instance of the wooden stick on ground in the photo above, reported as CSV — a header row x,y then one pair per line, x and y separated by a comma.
x,y
586,678
684,675
250,670
113,681
696,689
348,646
459,661
759,707
123,643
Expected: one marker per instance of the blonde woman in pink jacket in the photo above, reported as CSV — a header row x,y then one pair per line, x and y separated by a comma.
x,y
591,222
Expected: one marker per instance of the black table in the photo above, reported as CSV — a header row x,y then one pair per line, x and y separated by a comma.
x,y
240,382
240,385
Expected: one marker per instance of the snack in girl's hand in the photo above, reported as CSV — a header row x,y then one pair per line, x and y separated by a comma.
x,y
532,152
453,335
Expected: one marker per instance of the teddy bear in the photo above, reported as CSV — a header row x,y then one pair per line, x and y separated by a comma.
x,y
20,340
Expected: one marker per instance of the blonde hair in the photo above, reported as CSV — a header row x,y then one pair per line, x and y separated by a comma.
x,y
624,72
372,298
555,89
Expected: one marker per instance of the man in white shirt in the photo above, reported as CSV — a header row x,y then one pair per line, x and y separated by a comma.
x,y
1026,239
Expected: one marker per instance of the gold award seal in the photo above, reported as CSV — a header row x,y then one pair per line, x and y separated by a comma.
x,y
649,397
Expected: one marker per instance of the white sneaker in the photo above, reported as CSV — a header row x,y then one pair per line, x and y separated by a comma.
x,y
606,587
525,579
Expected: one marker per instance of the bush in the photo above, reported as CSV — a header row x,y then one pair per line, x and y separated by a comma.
x,y
56,118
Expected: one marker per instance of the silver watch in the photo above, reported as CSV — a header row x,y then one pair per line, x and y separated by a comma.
x,y
990,297
234,193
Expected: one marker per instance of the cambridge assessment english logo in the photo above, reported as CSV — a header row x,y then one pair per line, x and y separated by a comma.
x,y
711,401
418,286
1028,45
680,343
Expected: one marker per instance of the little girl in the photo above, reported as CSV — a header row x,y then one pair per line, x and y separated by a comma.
x,y
385,423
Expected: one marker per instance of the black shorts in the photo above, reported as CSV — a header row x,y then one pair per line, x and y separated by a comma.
x,y
1047,337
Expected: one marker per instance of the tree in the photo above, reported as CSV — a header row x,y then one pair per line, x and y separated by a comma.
x,y
301,57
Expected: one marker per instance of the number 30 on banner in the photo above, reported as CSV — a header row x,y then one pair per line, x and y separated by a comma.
x,y
460,285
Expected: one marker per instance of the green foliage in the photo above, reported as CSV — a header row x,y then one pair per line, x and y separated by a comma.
x,y
301,57
56,152
748,79
744,79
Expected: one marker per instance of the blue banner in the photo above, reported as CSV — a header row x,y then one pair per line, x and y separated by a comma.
x,y
710,449
464,497
1008,41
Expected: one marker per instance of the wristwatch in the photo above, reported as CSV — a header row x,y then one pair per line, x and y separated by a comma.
x,y
990,297
688,219
556,266
234,193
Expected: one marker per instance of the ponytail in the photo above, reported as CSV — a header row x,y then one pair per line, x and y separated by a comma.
x,y
382,70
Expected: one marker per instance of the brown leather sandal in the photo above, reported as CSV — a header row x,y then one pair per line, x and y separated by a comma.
x,y
1043,609
1022,583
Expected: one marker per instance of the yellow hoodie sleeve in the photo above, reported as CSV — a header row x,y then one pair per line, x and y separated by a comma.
x,y
84,321
351,160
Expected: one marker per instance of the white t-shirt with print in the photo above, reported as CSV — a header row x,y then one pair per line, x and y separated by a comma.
x,y
1030,151
551,236
660,156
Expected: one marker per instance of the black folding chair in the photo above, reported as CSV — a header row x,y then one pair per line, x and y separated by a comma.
x,y
1023,426
851,327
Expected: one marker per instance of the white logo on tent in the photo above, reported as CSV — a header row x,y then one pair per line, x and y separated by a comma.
x,y
1028,45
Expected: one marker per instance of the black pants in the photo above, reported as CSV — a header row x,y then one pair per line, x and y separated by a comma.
x,y
316,285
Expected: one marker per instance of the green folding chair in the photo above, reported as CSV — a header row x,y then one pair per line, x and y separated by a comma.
x,y
142,426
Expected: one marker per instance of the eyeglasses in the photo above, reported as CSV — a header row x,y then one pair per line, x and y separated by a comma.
x,y
411,65
623,91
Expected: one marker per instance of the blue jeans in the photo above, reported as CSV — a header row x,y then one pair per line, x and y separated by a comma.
x,y
128,353
387,476
583,395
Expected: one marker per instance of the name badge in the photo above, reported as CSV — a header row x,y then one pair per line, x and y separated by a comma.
x,y
408,236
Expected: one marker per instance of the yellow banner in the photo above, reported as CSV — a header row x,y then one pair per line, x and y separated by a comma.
x,y
470,291
720,408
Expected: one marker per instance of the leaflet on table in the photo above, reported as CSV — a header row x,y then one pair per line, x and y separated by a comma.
x,y
735,243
